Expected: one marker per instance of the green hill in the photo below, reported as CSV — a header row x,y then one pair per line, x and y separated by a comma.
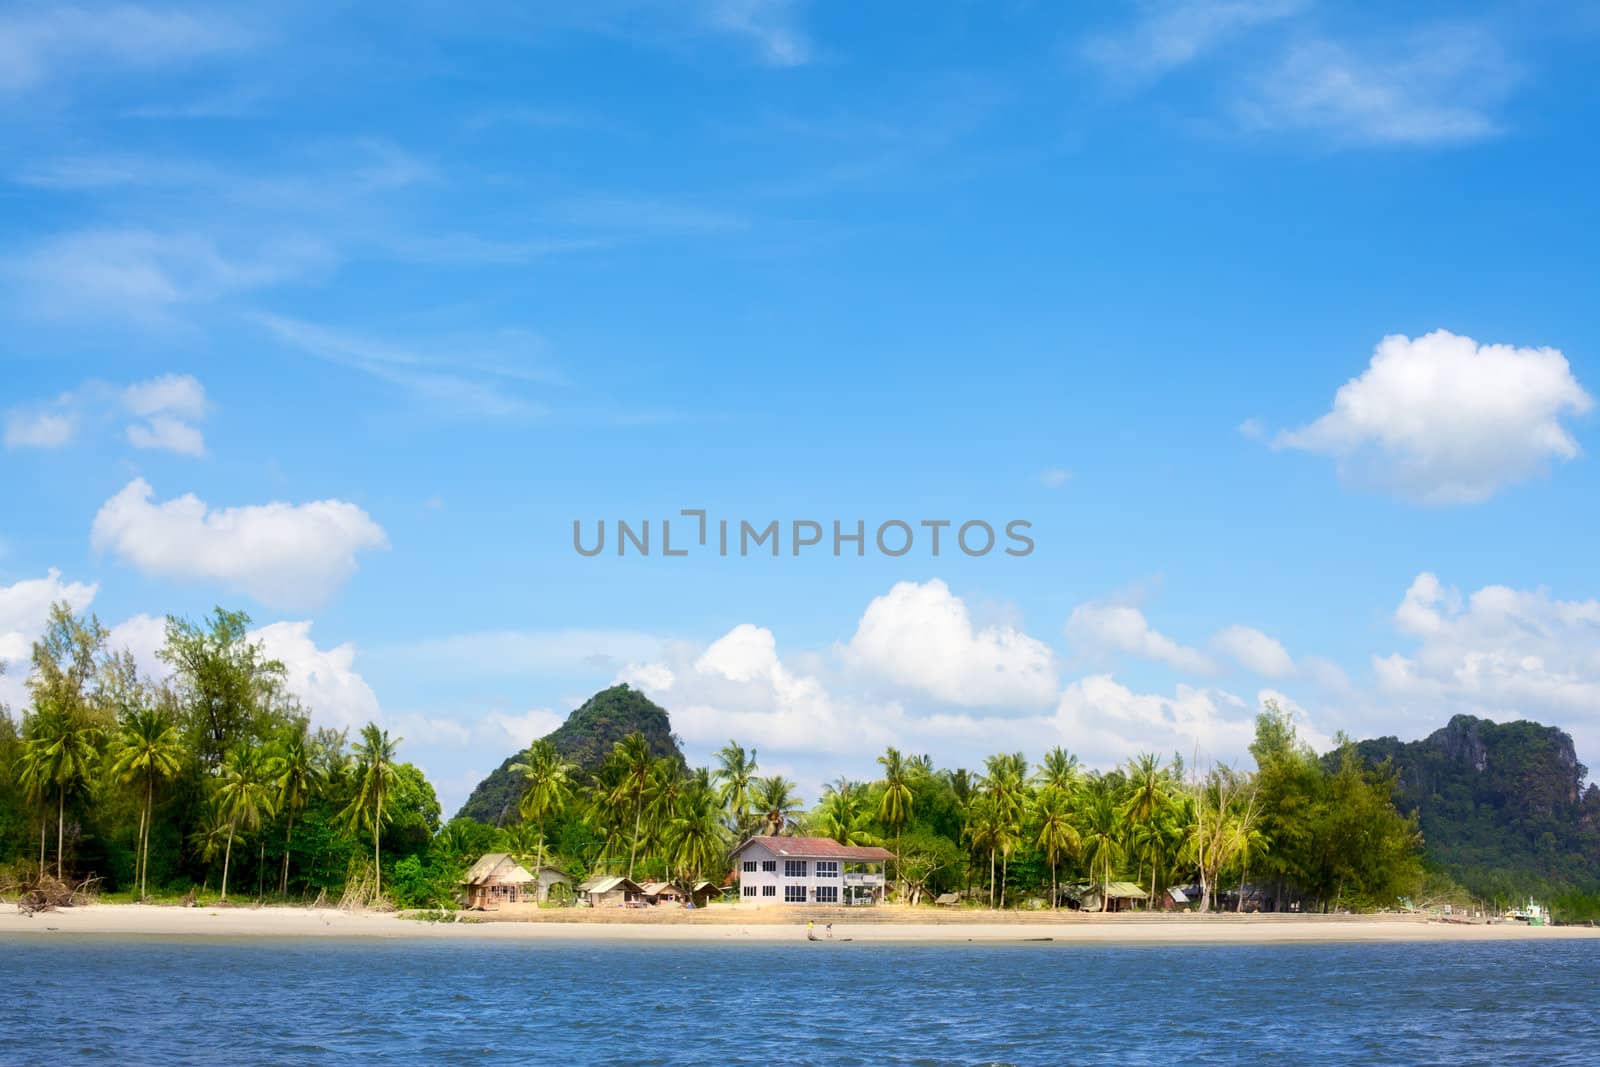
x,y
1501,805
586,738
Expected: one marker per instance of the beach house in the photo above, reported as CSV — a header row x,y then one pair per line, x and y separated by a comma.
x,y
603,891
809,870
497,879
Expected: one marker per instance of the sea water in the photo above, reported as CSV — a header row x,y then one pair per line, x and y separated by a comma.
x,y
93,1000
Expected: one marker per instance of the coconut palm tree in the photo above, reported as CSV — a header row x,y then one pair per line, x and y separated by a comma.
x,y
694,839
894,807
300,773
1057,836
1059,772
843,814
244,795
984,830
1102,842
735,776
68,747
636,762
33,774
775,803
1148,793
549,779
1005,782
147,751
375,763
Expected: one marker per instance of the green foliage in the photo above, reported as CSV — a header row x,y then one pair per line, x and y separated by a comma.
x,y
586,739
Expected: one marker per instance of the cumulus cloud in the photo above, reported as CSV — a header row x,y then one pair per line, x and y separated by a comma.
x,y
922,636
1106,722
1104,627
1445,420
1500,649
165,409
284,555
1254,651
324,679
39,429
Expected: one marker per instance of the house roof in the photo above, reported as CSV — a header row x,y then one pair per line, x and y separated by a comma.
x,y
606,885
652,889
497,868
817,848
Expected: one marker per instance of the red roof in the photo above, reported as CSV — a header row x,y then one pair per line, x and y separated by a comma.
x,y
817,848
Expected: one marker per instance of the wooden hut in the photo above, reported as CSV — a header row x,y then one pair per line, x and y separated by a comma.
x,y
663,893
497,879
611,891
1119,896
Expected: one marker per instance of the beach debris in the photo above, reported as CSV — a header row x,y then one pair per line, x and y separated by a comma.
x,y
45,892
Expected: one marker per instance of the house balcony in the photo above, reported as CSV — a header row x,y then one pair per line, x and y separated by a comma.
x,y
863,878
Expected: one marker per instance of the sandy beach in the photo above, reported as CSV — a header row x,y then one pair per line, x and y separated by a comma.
x,y
719,925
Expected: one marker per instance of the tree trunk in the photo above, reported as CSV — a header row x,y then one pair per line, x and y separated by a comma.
x,y
633,849
1005,864
44,823
538,864
61,829
227,857
288,839
1244,869
991,879
1053,892
140,848
377,862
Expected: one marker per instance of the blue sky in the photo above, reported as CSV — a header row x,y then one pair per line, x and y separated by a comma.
x,y
1274,318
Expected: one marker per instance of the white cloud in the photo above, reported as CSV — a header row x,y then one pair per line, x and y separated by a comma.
x,y
143,636
146,276
1254,651
921,636
40,43
523,729
168,435
1102,627
166,407
1433,88
1105,722
39,429
770,25
284,555
24,611
1445,420
1173,33
325,680
1054,478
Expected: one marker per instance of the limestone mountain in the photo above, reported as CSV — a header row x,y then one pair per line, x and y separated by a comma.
x,y
1498,804
586,738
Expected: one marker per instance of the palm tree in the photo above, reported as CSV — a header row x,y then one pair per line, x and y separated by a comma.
x,y
244,795
894,808
1005,782
33,774
67,748
300,775
1057,835
636,760
549,779
149,751
375,775
694,838
843,815
1148,783
735,773
1101,842
1251,842
984,830
1059,772
776,803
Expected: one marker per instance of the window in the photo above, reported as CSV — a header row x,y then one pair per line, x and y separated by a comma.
x,y
794,894
794,868
770,866
749,866
827,894
827,868
769,890
749,890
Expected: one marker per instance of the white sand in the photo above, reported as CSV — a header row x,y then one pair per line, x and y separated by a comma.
x,y
733,924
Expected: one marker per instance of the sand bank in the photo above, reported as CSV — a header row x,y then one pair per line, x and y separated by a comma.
x,y
724,925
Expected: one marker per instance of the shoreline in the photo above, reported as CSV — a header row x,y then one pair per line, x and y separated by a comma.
x,y
732,925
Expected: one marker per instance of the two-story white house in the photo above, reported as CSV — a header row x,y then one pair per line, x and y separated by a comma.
x,y
809,870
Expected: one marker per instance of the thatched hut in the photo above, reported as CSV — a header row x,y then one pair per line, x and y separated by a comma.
x,y
497,879
1118,896
611,892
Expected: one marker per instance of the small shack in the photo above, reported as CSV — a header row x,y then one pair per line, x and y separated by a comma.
x,y
613,891
662,893
1118,896
497,879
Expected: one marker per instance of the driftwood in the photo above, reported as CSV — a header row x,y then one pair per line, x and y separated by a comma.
x,y
45,892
